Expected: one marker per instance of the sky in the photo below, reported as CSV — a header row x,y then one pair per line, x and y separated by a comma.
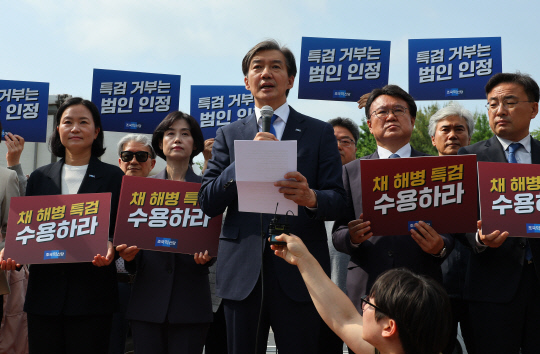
x,y
61,42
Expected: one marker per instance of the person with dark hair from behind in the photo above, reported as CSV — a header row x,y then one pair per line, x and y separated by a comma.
x,y
70,305
170,307
503,278
403,313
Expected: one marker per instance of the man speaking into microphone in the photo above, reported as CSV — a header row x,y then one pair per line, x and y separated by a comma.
x,y
248,275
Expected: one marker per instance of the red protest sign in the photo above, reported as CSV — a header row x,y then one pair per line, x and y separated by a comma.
x,y
510,198
58,228
162,215
440,190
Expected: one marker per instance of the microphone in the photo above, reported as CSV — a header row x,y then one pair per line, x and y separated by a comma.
x,y
266,118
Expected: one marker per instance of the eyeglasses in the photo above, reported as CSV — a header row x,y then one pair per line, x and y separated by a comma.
x,y
141,156
365,300
345,142
507,104
383,113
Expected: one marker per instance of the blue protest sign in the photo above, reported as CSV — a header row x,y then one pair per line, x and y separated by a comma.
x,y
452,68
342,69
134,102
216,106
23,109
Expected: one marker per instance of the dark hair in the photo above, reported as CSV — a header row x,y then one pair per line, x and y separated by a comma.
x,y
196,133
54,142
420,307
394,91
348,124
270,44
529,85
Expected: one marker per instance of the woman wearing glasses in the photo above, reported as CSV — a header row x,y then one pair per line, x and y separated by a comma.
x,y
70,305
170,307
404,312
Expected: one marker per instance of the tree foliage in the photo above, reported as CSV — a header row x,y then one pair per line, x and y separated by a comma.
x,y
482,131
420,139
366,142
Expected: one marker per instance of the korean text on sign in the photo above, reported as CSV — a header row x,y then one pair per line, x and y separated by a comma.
x,y
219,111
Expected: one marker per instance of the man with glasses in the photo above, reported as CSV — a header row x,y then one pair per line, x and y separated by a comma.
x,y
503,286
404,312
391,113
136,157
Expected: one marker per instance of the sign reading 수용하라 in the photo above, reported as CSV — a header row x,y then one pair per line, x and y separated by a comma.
x,y
397,193
58,228
510,198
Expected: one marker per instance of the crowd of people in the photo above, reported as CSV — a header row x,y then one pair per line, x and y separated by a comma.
x,y
328,283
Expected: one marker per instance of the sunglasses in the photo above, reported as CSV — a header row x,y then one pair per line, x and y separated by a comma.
x,y
141,156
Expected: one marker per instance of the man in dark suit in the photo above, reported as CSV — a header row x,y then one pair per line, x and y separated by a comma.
x,y
451,128
391,113
502,285
248,275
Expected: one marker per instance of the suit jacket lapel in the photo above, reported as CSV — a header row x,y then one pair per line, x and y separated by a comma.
x,y
250,126
295,126
495,150
55,174
535,151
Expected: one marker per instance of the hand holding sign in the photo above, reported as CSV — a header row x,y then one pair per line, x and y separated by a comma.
x,y
494,239
127,253
100,261
359,230
202,258
428,239
8,264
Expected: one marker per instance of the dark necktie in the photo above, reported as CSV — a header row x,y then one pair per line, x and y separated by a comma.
x,y
394,156
512,148
272,130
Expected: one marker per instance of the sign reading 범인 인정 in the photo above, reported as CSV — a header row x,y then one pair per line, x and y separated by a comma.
x,y
134,102
342,69
23,109
216,106
452,68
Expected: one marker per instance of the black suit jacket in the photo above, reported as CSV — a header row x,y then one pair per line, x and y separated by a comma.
x,y
378,253
74,288
239,262
169,286
494,273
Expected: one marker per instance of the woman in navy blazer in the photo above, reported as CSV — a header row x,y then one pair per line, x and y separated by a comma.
x,y
170,307
70,305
